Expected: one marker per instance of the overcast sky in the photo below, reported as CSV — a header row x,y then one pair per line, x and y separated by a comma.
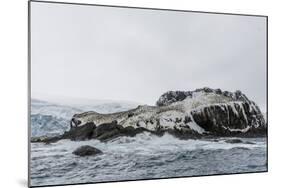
x,y
137,55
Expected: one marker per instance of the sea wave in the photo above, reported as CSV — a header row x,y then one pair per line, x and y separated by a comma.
x,y
144,156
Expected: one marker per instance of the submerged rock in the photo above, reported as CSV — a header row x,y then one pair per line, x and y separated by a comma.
x,y
45,139
86,151
240,148
234,141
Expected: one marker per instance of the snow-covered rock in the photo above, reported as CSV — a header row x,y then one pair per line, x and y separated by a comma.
x,y
200,112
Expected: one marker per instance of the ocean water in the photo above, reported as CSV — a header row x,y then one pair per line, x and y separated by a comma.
x,y
144,156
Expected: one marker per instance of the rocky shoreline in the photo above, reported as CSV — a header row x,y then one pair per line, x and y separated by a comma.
x,y
202,113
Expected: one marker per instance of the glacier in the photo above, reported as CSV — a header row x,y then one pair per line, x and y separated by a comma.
x,y
51,119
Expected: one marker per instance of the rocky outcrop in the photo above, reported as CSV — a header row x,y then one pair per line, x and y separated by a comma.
x,y
86,151
175,96
233,118
197,113
80,133
184,114
103,132
111,130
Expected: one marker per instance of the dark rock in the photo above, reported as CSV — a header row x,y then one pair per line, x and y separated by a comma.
x,y
178,120
36,139
46,140
240,148
106,128
187,119
130,114
218,91
109,135
234,141
175,96
255,132
249,142
108,131
74,123
131,131
225,119
84,132
184,134
171,96
86,151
